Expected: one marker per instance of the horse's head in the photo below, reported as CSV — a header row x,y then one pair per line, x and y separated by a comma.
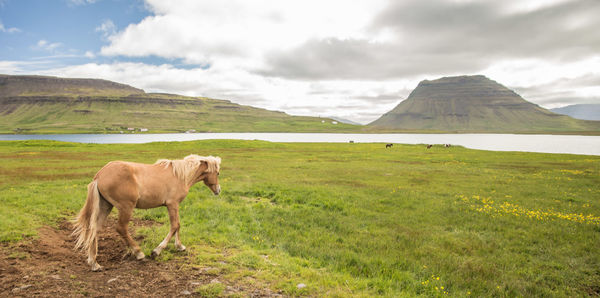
x,y
209,169
212,181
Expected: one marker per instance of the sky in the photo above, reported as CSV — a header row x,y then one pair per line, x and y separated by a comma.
x,y
350,59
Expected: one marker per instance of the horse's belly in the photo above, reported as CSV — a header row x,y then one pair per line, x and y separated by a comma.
x,y
147,203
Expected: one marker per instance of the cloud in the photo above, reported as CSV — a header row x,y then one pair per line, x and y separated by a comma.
x,y
8,30
237,32
47,46
564,91
564,30
445,37
25,67
353,59
334,59
107,28
550,84
81,2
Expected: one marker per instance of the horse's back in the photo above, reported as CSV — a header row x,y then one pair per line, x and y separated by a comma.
x,y
117,183
141,185
116,171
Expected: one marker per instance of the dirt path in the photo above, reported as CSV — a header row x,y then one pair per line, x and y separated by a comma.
x,y
48,266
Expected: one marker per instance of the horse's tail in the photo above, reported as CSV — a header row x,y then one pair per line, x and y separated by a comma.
x,y
85,225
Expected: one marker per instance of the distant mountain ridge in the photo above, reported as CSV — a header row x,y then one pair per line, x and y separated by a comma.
x,y
37,104
474,104
343,120
580,111
53,86
40,104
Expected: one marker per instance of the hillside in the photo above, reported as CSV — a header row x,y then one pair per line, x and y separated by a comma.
x,y
33,104
580,111
11,86
475,104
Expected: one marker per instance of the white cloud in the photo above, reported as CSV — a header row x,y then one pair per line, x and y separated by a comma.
x,y
531,72
354,59
81,2
8,30
107,28
10,67
25,67
361,52
531,5
46,45
238,32
550,84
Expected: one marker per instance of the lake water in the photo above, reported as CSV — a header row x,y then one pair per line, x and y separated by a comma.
x,y
589,145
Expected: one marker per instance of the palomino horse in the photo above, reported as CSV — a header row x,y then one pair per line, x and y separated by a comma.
x,y
129,185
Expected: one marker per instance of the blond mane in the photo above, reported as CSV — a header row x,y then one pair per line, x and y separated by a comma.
x,y
185,169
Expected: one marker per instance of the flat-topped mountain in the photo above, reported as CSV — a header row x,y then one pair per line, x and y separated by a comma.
x,y
35,104
53,86
474,104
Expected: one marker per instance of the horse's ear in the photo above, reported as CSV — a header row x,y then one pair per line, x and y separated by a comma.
x,y
202,161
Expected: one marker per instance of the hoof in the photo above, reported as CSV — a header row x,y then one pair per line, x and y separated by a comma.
x,y
140,256
126,255
155,253
181,248
96,267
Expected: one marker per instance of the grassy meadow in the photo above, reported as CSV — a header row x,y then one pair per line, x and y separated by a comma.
x,y
348,219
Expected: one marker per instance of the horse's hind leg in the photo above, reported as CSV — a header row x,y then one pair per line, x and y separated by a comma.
x,y
124,217
174,219
104,210
178,245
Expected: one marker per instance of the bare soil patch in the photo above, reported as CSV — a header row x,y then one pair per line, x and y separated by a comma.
x,y
48,266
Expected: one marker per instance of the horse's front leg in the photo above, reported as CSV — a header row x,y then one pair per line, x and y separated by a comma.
x,y
174,219
178,245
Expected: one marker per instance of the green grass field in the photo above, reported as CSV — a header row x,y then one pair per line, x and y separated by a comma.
x,y
349,219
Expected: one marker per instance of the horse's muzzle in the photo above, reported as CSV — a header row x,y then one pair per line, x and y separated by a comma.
x,y
217,191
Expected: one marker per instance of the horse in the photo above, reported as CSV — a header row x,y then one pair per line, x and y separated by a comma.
x,y
429,146
388,145
129,185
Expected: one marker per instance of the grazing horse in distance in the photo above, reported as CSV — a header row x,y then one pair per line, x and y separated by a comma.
x,y
429,146
388,145
129,185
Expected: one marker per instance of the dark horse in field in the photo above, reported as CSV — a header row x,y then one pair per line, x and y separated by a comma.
x,y
129,185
